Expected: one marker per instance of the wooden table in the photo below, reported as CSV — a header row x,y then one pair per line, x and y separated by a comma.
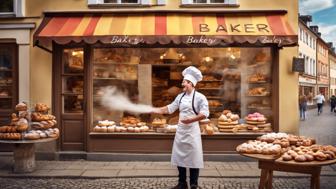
x,y
24,154
269,163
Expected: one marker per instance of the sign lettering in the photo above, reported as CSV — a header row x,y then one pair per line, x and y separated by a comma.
x,y
200,40
235,28
126,40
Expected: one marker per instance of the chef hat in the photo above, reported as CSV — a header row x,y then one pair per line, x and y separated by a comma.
x,y
192,74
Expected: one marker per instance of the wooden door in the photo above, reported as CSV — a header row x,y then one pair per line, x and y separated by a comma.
x,y
70,97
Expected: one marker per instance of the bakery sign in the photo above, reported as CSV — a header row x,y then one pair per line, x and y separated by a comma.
x,y
126,40
235,28
200,40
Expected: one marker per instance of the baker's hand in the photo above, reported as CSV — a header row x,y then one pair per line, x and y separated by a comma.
x,y
187,121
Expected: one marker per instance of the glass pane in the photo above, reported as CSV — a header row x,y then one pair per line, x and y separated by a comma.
x,y
73,103
7,6
217,1
73,80
129,1
6,76
200,1
73,61
110,1
114,68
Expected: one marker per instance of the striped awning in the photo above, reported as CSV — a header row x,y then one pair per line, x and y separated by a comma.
x,y
165,28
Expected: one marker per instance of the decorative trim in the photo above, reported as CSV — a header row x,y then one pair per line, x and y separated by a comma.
x,y
17,26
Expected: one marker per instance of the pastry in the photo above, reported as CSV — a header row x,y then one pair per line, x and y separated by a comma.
x,y
31,136
286,157
209,130
22,125
300,158
22,106
40,107
111,129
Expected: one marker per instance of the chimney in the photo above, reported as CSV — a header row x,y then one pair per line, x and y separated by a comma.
x,y
319,34
330,44
314,28
306,18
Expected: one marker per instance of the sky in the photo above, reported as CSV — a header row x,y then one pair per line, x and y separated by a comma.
x,y
324,15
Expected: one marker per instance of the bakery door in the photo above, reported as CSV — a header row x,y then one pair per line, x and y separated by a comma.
x,y
72,100
8,85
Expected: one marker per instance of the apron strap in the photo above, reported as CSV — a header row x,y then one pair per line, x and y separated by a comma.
x,y
193,99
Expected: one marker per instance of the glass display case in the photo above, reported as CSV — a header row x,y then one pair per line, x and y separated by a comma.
x,y
235,79
73,80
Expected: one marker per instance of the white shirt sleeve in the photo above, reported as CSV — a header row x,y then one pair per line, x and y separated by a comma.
x,y
203,105
174,105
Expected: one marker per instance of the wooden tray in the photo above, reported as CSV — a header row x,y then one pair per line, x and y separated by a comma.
x,y
311,163
260,156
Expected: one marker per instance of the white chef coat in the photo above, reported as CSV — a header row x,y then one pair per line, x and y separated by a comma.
x,y
187,148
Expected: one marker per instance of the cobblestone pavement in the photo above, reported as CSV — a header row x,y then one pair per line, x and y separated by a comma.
x,y
322,127
157,183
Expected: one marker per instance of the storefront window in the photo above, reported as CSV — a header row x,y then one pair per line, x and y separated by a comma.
x,y
73,81
7,53
236,79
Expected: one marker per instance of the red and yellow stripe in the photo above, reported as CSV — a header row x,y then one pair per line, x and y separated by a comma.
x,y
162,24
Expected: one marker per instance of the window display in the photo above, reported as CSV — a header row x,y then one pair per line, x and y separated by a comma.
x,y
6,77
236,81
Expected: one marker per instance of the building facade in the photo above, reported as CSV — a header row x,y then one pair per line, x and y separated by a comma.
x,y
243,48
307,51
332,63
322,67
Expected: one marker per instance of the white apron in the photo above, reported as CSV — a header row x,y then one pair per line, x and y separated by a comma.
x,y
187,148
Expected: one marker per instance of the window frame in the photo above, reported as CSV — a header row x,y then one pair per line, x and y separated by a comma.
x,y
18,9
227,3
140,3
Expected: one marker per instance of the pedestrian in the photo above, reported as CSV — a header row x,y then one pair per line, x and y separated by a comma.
x,y
332,103
187,148
319,100
303,106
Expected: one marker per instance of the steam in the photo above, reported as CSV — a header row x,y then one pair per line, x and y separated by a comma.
x,y
115,100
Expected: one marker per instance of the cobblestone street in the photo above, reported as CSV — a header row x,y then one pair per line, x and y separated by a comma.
x,y
322,127
157,183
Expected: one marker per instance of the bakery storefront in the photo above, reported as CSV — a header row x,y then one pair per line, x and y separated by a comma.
x,y
142,55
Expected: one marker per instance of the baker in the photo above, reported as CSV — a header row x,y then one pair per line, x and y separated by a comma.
x,y
187,148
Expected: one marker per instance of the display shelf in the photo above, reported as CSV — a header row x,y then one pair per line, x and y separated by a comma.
x,y
5,97
213,80
268,95
72,74
215,88
116,79
258,82
71,94
6,85
6,70
259,107
169,65
112,63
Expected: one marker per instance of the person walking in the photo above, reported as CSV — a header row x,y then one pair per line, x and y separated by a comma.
x,y
319,100
187,148
303,106
332,103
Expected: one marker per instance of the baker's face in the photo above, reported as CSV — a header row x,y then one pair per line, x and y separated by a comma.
x,y
186,85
